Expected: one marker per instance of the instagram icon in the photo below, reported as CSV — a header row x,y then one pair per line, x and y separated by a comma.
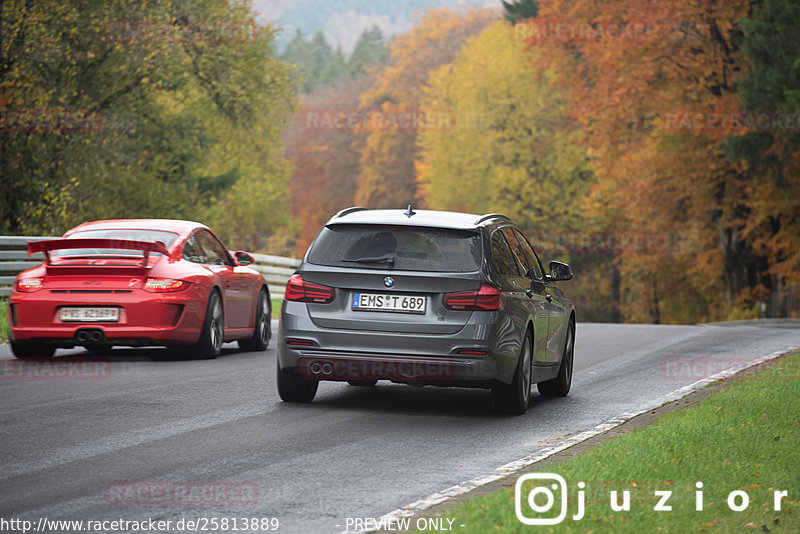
x,y
539,497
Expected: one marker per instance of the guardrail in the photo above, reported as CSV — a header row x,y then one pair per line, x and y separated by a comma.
x,y
276,270
14,259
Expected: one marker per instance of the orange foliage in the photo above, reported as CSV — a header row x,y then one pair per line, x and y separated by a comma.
x,y
326,159
386,178
653,176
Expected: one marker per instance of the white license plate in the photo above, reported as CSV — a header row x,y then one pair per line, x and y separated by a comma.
x,y
389,303
90,314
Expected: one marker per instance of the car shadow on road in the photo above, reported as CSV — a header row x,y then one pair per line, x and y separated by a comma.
x,y
129,354
408,400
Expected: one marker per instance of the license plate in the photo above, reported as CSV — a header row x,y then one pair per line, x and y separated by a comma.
x,y
389,303
90,315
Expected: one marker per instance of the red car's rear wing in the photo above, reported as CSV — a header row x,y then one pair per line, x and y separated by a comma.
x,y
66,244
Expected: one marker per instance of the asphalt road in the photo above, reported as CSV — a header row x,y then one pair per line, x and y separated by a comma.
x,y
133,434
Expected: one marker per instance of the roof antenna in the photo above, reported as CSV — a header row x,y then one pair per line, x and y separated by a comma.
x,y
410,212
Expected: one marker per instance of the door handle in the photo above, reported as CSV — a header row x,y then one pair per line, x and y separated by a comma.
x,y
549,297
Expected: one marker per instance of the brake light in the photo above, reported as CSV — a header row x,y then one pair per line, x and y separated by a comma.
x,y
164,285
29,285
299,290
487,298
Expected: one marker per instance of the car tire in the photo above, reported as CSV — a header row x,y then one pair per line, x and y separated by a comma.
x,y
559,386
28,351
294,388
362,383
262,332
513,398
210,344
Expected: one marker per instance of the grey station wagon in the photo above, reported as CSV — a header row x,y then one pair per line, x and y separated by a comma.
x,y
426,298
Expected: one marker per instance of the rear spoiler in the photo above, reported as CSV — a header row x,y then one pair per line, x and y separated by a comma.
x,y
66,244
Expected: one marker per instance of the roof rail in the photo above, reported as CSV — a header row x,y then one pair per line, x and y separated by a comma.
x,y
492,216
348,211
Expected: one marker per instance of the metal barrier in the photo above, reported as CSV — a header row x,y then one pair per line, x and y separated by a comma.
x,y
14,259
276,270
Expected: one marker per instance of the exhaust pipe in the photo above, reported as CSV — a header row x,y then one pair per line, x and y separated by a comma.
x,y
327,368
315,368
89,335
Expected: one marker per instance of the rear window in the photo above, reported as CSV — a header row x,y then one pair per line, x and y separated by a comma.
x,y
123,234
397,247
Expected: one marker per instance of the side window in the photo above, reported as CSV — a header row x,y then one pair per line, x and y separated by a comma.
x,y
193,252
501,256
516,251
533,259
215,252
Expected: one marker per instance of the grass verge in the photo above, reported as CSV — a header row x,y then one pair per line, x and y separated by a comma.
x,y
3,319
741,439
276,307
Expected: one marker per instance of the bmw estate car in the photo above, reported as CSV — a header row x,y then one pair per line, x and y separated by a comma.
x,y
138,282
426,298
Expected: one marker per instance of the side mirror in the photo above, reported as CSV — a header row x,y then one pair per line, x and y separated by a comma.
x,y
559,272
243,258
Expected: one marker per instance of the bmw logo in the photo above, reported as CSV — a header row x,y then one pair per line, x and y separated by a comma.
x,y
388,281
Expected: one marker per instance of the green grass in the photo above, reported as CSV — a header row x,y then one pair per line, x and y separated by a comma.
x,y
745,437
3,319
276,307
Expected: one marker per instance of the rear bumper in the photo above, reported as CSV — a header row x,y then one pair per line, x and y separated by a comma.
x,y
444,371
469,357
145,318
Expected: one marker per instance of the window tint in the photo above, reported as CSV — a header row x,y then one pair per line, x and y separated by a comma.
x,y
407,248
533,259
501,256
214,251
117,233
193,252
522,262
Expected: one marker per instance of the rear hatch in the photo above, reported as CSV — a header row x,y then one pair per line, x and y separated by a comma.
x,y
393,278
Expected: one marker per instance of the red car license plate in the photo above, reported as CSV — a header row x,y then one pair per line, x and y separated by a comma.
x,y
90,314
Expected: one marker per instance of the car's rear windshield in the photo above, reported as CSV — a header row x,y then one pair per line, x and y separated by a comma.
x,y
123,234
397,247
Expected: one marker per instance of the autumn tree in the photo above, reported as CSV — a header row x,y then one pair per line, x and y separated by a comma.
x,y
185,104
772,156
387,173
512,150
325,158
634,70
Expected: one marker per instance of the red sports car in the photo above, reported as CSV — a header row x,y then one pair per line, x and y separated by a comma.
x,y
138,282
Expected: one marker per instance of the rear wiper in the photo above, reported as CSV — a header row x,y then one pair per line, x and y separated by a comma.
x,y
388,258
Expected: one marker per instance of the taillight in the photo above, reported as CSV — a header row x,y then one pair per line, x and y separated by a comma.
x,y
299,290
29,285
164,285
487,298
